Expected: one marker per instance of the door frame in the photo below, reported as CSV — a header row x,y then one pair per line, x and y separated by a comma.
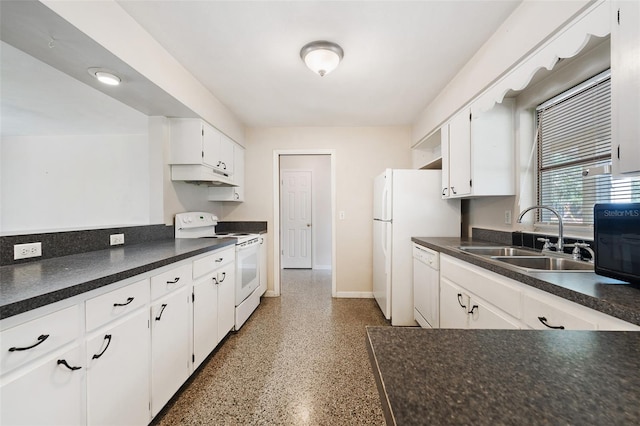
x,y
276,212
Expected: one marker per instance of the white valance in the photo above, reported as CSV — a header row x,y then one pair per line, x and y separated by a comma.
x,y
565,44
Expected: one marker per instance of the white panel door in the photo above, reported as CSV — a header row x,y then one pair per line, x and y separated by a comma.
x,y
296,219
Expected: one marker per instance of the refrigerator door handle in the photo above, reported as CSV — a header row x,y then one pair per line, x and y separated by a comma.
x,y
385,203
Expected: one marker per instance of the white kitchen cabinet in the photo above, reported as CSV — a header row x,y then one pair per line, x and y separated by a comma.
x,y
625,87
460,309
213,302
195,143
236,192
118,372
43,373
170,351
48,392
29,341
493,301
453,305
478,152
262,288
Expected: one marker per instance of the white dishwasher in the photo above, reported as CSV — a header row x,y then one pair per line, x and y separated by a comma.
x,y
426,287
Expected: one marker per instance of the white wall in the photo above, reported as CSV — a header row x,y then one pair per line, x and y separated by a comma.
x,y
320,167
527,27
361,154
74,182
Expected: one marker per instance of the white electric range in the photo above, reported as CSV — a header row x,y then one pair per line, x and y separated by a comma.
x,y
202,225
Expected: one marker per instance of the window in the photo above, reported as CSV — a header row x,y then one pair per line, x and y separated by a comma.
x,y
574,153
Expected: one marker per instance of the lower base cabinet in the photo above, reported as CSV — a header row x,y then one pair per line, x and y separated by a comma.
x,y
170,354
118,373
48,394
117,356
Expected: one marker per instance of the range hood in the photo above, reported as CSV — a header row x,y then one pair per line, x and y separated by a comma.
x,y
200,175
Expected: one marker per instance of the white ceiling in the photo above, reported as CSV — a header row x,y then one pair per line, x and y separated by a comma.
x,y
398,54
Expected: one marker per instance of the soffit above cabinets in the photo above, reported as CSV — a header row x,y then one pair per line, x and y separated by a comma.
x,y
34,30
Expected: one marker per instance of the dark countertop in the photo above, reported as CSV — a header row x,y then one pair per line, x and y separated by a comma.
x,y
489,377
31,285
607,295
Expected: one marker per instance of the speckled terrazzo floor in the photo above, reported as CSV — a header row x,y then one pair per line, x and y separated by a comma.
x,y
301,359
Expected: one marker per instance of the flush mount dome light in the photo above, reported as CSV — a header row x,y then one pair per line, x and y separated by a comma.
x,y
321,56
104,76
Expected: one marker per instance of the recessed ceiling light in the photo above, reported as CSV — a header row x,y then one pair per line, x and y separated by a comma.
x,y
321,56
104,76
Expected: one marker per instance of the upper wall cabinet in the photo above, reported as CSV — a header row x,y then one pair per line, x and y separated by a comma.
x,y
231,193
478,152
625,87
200,153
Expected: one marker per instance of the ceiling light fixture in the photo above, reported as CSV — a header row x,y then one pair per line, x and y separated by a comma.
x,y
104,76
321,56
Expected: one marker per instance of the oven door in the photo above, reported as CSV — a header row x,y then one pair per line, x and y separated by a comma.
x,y
247,263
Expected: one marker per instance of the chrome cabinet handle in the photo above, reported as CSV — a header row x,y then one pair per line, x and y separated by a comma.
x,y
64,362
175,280
164,305
444,191
453,190
215,281
224,275
220,259
473,308
236,195
460,301
41,340
129,300
107,337
543,320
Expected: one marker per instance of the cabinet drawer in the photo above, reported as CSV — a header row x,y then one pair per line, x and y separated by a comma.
x,y
489,286
171,280
538,308
26,342
107,307
212,262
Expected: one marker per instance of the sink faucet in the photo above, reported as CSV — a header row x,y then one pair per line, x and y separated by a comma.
x,y
560,244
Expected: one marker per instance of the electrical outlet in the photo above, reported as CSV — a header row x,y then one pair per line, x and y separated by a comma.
x,y
24,251
341,215
116,239
507,217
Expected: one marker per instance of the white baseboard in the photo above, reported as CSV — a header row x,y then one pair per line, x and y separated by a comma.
x,y
269,293
322,267
355,294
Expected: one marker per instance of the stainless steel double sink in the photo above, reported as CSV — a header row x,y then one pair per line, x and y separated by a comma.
x,y
529,260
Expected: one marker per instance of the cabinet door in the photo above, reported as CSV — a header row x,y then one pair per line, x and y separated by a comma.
x,y
49,393
460,154
205,318
211,146
118,373
625,81
484,316
227,155
444,147
170,353
226,300
453,305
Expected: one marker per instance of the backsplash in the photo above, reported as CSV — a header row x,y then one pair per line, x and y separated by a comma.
x,y
56,244
524,239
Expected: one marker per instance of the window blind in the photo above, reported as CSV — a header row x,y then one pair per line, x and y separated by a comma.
x,y
574,147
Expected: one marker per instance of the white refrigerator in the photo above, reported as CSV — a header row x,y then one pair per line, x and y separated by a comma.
x,y
406,203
